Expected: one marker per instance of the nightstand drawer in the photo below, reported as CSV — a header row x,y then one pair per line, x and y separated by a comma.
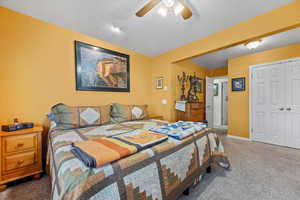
x,y
19,161
19,142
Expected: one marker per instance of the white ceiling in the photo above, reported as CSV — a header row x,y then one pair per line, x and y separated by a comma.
x,y
151,35
219,59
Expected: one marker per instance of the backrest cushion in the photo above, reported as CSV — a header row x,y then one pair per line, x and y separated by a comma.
x,y
121,113
68,117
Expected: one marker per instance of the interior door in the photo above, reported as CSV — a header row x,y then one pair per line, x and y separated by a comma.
x,y
260,100
293,104
209,100
277,104
225,103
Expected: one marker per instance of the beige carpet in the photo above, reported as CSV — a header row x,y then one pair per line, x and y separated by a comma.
x,y
259,172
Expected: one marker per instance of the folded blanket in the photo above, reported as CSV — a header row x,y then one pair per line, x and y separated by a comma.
x,y
180,130
100,151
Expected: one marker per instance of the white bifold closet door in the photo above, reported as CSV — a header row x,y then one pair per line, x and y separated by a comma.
x,y
275,104
293,104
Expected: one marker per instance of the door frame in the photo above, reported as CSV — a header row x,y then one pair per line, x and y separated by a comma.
x,y
251,68
214,78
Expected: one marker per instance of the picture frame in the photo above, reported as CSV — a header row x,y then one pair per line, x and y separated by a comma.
x,y
238,84
159,83
216,89
100,69
199,85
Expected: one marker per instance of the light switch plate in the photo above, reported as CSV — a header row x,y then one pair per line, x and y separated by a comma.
x,y
164,101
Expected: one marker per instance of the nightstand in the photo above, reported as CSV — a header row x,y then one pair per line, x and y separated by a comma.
x,y
20,155
157,117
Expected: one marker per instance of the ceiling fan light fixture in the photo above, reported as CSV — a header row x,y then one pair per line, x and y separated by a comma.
x,y
163,11
169,3
253,44
178,8
115,29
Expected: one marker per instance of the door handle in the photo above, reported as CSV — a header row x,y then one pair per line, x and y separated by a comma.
x,y
281,109
289,109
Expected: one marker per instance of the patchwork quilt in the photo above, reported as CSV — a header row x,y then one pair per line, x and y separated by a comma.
x,y
104,150
161,172
180,130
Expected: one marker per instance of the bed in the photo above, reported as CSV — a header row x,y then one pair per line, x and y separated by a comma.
x,y
162,172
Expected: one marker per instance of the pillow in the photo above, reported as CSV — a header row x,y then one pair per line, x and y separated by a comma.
x,y
121,113
68,117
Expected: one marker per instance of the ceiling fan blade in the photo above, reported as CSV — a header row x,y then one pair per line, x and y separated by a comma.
x,y
186,13
147,8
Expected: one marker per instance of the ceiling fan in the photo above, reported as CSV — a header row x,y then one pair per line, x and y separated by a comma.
x,y
175,6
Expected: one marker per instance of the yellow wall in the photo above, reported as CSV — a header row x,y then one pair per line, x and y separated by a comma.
x,y
23,38
277,20
223,71
189,68
161,67
238,104
38,70
274,21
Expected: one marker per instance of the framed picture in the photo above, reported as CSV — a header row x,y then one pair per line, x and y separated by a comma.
x,y
216,89
159,83
99,69
199,85
238,84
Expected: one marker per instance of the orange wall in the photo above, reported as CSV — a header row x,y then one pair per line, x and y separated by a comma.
x,y
25,37
277,20
238,104
38,70
223,71
189,68
274,21
161,67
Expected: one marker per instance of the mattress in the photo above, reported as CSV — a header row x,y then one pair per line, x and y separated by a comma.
x,y
161,172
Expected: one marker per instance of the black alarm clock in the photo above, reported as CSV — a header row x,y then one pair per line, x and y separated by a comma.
x,y
17,126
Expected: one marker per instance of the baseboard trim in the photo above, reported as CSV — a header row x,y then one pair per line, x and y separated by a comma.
x,y
239,138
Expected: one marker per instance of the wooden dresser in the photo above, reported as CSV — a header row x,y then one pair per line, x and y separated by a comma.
x,y
193,112
20,155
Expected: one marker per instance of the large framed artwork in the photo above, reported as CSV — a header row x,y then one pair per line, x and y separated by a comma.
x,y
99,69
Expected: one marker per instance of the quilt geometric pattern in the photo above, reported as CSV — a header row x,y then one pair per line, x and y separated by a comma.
x,y
175,174
109,192
143,184
202,145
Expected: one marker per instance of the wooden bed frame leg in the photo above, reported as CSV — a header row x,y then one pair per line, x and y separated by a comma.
x,y
186,192
208,170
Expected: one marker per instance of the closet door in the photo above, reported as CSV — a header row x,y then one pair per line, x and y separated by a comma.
x,y
293,104
268,104
277,104
260,108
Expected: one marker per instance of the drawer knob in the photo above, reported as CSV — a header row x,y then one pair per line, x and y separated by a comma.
x,y
20,162
19,145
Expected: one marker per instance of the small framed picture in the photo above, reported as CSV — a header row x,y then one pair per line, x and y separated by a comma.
x,y
238,84
159,83
216,89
